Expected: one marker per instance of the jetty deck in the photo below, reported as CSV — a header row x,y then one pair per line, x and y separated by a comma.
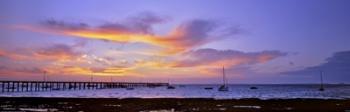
x,y
32,86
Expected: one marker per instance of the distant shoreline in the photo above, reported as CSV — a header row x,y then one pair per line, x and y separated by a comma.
x,y
173,104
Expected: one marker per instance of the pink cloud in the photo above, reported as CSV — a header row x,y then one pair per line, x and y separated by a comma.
x,y
213,57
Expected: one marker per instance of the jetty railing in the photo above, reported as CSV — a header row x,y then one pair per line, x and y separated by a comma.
x,y
32,86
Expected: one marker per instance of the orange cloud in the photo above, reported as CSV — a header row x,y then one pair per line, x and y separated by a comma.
x,y
80,70
230,58
57,52
184,37
12,55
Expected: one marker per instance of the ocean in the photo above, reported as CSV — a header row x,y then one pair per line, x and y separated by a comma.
x,y
236,91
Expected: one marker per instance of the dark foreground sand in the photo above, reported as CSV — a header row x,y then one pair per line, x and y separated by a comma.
x,y
171,104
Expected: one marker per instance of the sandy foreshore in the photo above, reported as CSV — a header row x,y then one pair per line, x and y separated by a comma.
x,y
171,104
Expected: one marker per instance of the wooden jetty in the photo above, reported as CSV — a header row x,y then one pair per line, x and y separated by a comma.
x,y
32,86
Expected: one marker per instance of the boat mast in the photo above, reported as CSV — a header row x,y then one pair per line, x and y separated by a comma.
x,y
223,75
321,79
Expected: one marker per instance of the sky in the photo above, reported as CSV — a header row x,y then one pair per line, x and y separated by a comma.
x,y
176,41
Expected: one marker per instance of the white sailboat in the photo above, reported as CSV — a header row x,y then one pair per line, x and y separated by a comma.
x,y
170,86
224,86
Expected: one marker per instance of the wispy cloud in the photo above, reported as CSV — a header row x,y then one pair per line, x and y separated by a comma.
x,y
183,37
60,52
56,52
195,33
57,59
12,55
228,58
4,70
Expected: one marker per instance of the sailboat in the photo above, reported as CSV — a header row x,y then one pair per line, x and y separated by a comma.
x,y
208,88
129,88
321,87
253,87
224,86
170,86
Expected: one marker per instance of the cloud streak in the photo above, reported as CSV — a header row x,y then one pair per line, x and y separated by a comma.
x,y
56,52
229,58
59,52
182,38
11,55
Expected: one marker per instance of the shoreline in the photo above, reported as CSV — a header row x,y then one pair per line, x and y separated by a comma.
x,y
171,104
121,98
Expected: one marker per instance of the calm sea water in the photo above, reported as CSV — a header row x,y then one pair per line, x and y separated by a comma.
x,y
198,91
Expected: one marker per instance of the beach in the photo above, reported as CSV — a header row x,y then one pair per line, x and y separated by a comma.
x,y
184,98
171,104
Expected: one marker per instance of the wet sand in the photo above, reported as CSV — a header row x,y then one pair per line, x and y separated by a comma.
x,y
172,104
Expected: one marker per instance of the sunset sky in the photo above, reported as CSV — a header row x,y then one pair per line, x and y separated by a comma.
x,y
184,41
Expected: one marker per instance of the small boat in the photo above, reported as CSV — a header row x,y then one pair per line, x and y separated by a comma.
x,y
208,88
122,86
71,87
223,87
321,87
151,86
253,87
129,88
89,85
56,89
171,87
